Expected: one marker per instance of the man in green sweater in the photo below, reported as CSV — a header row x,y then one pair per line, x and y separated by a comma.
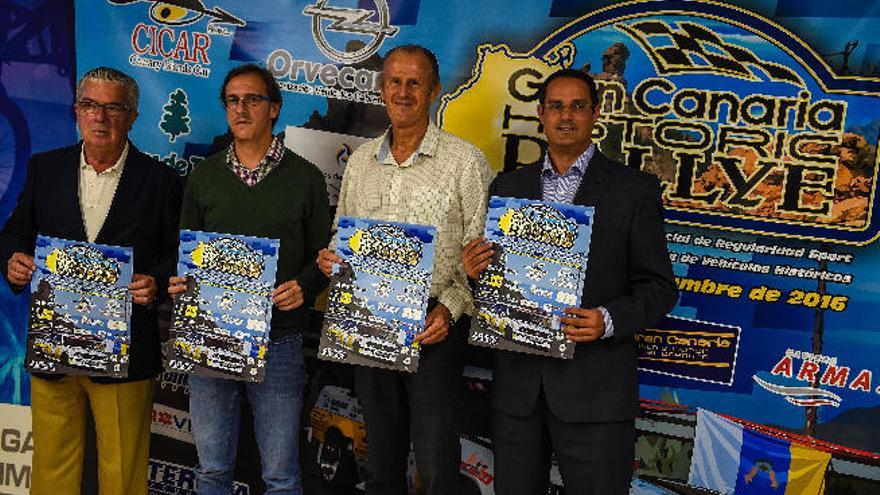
x,y
256,187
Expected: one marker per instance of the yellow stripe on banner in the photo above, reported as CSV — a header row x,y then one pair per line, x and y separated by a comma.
x,y
806,474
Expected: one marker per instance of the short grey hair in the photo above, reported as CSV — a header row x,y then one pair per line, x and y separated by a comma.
x,y
115,76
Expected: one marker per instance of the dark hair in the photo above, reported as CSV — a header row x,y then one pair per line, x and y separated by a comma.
x,y
571,74
272,88
428,54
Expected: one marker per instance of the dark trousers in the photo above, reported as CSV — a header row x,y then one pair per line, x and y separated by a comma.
x,y
421,407
593,458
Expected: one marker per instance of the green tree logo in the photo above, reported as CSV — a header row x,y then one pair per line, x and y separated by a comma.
x,y
175,120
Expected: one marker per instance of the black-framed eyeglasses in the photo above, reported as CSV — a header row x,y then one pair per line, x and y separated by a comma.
x,y
90,107
576,107
249,100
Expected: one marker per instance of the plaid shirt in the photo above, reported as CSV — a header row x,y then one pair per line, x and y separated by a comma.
x,y
252,176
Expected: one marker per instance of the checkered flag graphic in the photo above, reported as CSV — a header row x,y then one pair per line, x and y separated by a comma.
x,y
694,48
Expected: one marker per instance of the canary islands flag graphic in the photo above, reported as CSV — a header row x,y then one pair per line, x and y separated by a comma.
x,y
733,459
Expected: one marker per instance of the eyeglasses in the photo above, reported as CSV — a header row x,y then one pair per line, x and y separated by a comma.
x,y
249,100
576,107
90,107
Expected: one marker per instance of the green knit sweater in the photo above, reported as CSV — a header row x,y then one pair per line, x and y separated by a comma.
x,y
289,204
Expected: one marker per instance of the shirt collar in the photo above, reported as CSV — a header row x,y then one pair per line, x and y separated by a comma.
x,y
428,147
273,154
115,169
578,167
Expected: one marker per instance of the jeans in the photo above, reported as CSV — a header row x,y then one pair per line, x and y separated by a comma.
x,y
215,408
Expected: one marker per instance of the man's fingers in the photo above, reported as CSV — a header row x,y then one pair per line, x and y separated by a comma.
x,y
482,266
483,256
281,292
434,326
25,260
19,270
473,244
288,295
326,259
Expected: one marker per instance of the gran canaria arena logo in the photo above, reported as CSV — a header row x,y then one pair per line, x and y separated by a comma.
x,y
386,242
163,45
229,256
745,125
539,223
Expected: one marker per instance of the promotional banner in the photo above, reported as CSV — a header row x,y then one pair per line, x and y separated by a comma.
x,y
16,449
220,324
80,308
537,270
378,295
758,116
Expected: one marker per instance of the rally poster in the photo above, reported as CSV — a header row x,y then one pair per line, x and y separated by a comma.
x,y
378,296
80,309
538,269
220,324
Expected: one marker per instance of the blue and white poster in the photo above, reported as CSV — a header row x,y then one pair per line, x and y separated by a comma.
x,y
220,324
538,270
378,296
80,311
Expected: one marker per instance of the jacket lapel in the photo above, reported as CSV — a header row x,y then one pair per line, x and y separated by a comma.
x,y
593,184
126,192
67,188
531,186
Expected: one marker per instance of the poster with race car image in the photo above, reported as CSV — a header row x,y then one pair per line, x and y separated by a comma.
x,y
220,324
378,295
538,270
80,309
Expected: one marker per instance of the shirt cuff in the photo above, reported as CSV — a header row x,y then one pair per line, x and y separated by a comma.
x,y
454,303
609,324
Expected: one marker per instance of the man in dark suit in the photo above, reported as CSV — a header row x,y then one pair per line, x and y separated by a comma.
x,y
101,190
582,409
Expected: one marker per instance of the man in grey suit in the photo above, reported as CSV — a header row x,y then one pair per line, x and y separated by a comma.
x,y
582,409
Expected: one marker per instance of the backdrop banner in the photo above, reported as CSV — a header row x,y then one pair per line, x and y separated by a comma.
x,y
760,117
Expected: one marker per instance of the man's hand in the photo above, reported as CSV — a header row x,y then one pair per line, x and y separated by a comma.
x,y
436,326
143,289
176,285
20,268
584,325
476,256
288,295
325,261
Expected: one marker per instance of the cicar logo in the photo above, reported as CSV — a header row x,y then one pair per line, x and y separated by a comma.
x,y
160,46
745,125
183,12
353,22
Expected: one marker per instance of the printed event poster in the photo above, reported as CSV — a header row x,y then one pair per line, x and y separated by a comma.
x,y
220,325
378,295
538,270
80,311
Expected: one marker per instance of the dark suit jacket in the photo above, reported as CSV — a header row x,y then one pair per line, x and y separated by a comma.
x,y
143,215
628,272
